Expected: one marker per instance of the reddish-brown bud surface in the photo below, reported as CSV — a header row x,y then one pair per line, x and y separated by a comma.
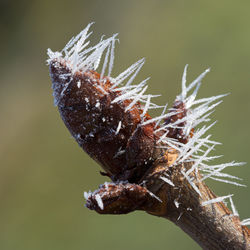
x,y
86,105
178,133
119,198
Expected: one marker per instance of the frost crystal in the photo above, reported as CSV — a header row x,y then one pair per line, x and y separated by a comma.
x,y
245,222
167,180
176,203
99,201
218,199
77,57
118,127
235,212
87,195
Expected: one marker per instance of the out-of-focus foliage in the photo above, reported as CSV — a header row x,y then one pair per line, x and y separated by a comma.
x,y
43,172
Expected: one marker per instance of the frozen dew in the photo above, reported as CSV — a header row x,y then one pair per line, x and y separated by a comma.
x,y
97,105
134,68
118,127
176,203
245,222
136,99
159,118
99,201
215,200
167,180
146,107
235,212
87,195
77,56
153,195
191,182
79,84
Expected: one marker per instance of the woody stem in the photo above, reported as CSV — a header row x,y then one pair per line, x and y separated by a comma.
x,y
212,226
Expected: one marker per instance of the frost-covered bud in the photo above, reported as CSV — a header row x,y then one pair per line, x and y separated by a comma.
x,y
125,197
177,132
105,120
108,117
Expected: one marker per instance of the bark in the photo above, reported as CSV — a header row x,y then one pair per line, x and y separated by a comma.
x,y
212,226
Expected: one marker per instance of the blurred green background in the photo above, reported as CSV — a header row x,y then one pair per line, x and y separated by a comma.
x,y
43,172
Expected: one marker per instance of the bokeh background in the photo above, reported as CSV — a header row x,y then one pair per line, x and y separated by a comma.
x,y
43,172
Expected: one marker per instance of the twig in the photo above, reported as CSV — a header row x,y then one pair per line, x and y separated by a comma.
x,y
156,164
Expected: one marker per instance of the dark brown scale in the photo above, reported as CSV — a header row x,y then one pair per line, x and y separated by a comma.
x,y
142,151
177,133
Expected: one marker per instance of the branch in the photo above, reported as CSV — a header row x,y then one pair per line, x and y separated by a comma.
x,y
212,226
157,165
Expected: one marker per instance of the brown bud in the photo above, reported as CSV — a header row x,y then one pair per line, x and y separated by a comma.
x,y
108,132
119,198
177,133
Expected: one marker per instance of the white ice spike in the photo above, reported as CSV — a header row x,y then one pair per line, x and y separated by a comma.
x,y
125,74
184,80
245,222
215,200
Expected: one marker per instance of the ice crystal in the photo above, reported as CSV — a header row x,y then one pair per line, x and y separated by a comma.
x,y
99,201
245,222
218,199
